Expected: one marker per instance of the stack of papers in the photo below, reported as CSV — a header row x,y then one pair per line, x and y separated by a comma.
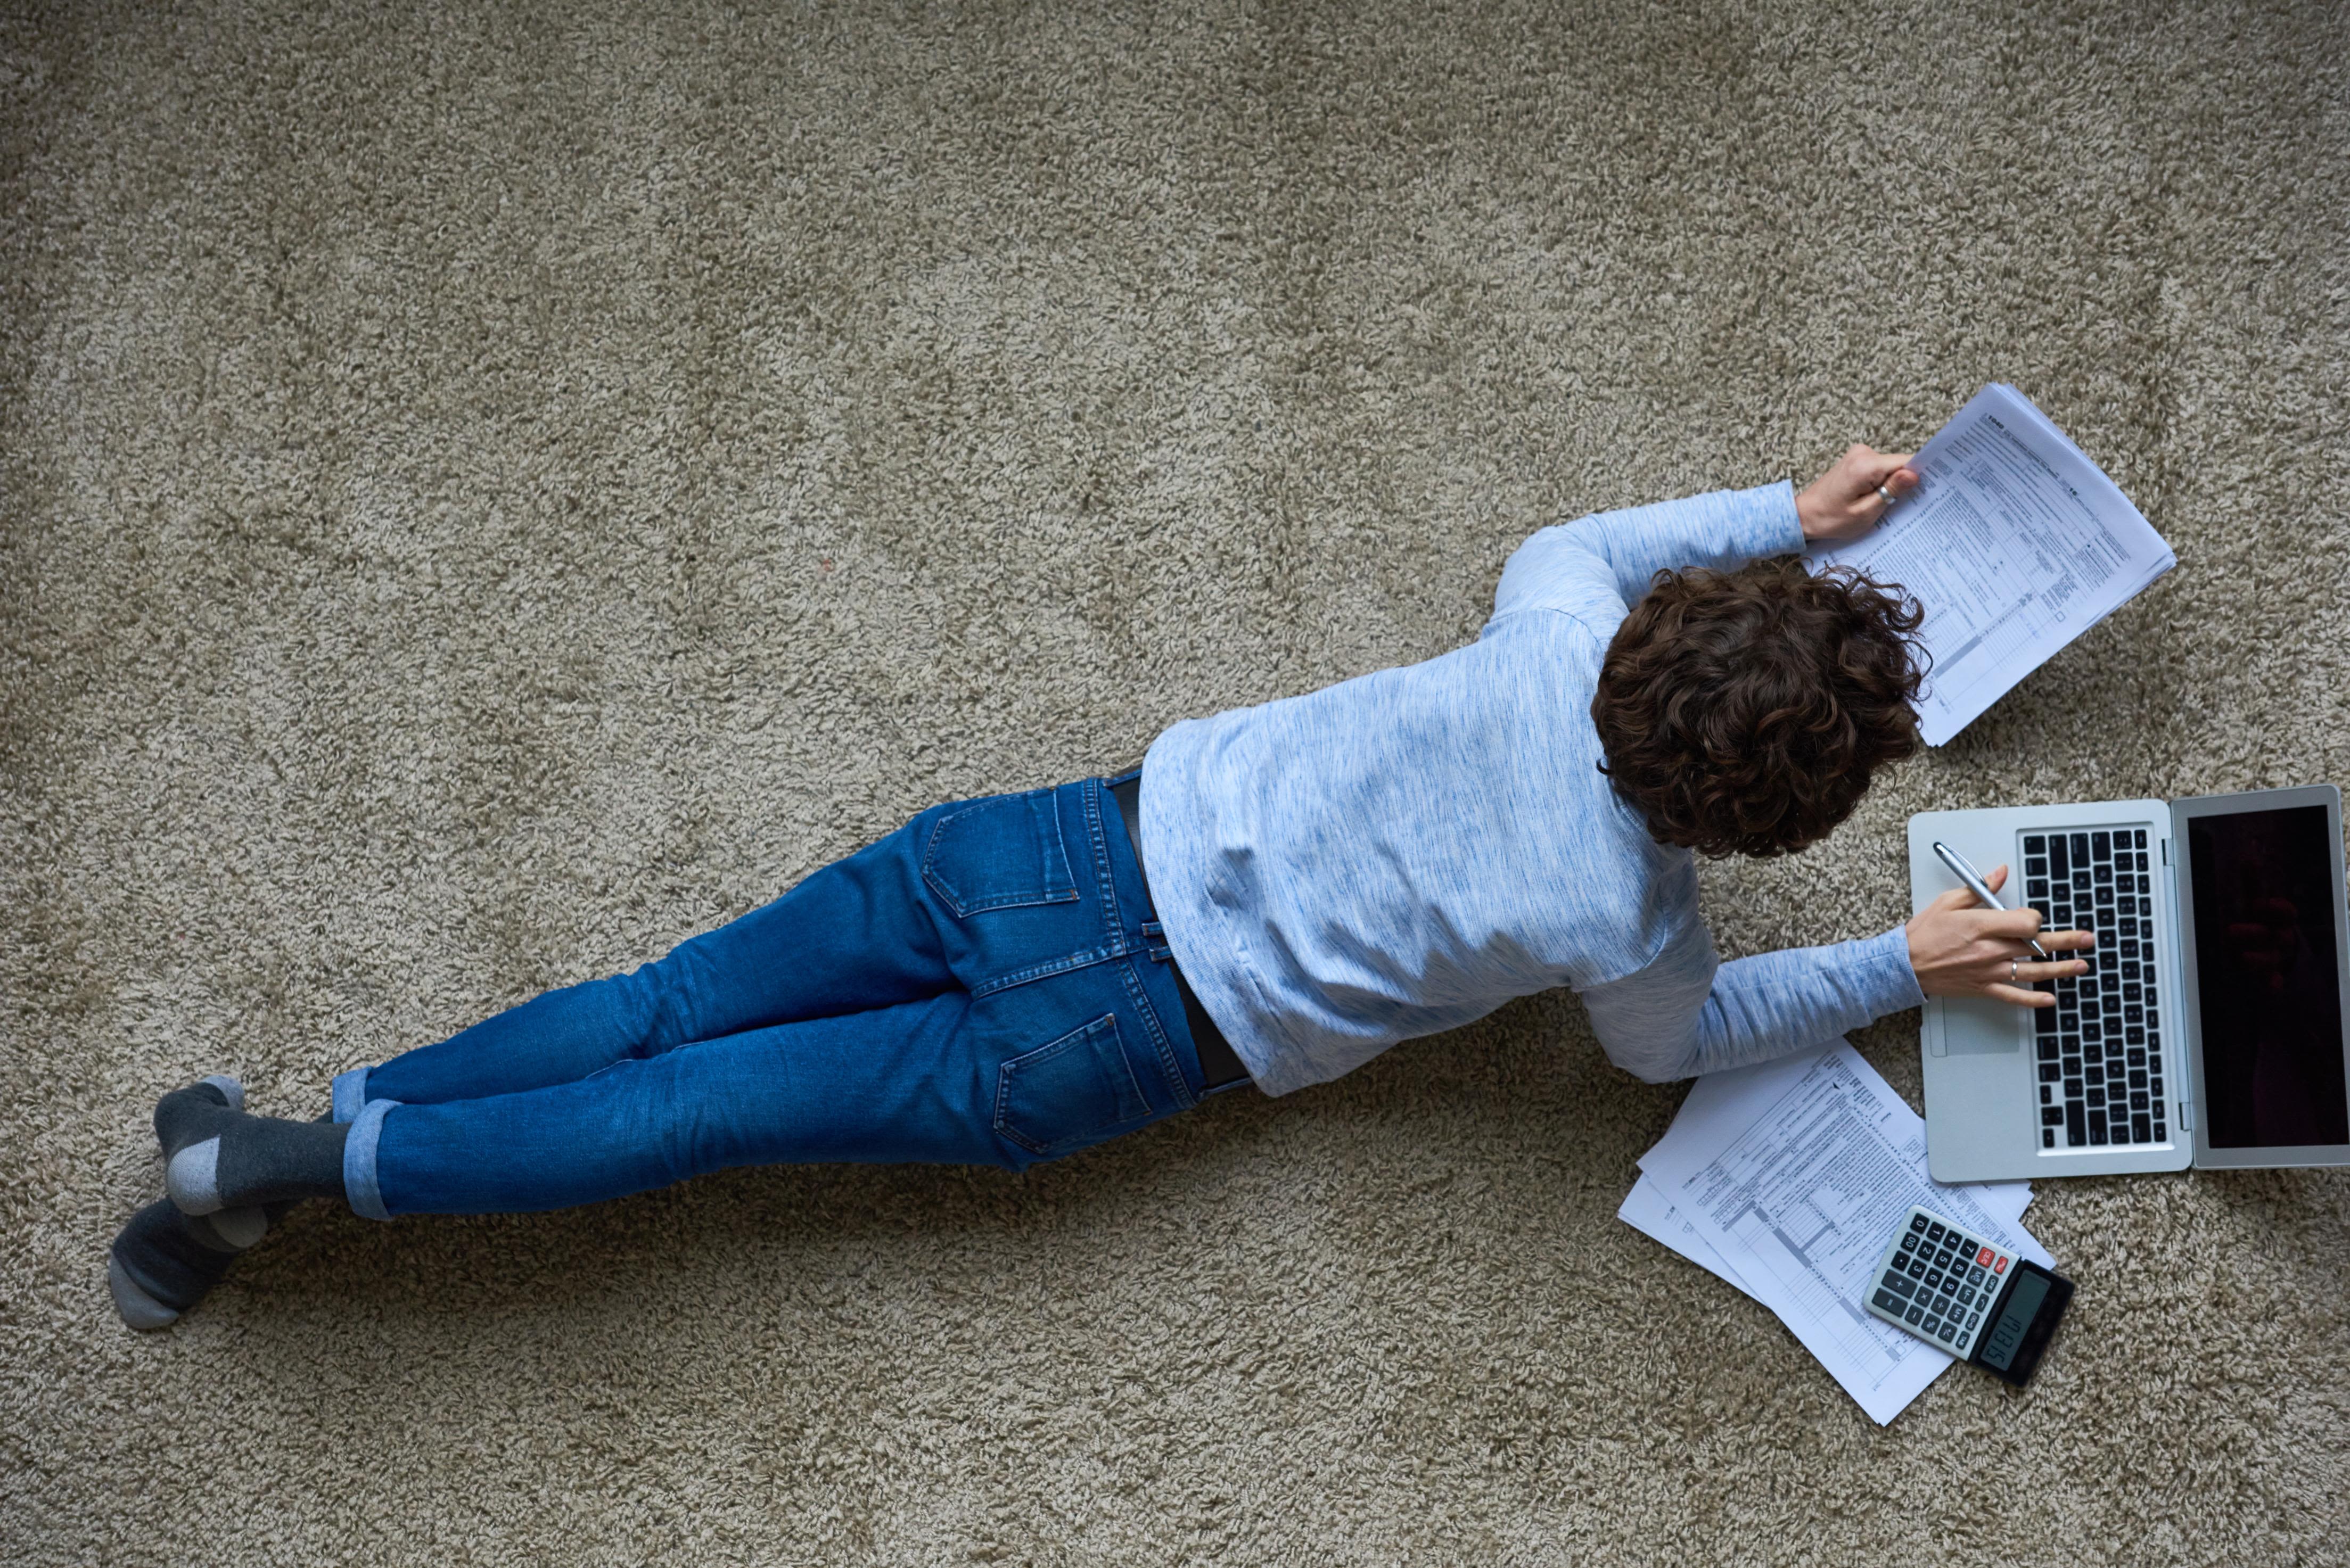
x,y
1788,1179
2015,544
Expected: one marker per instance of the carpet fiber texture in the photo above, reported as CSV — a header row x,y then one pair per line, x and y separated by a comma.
x,y
490,491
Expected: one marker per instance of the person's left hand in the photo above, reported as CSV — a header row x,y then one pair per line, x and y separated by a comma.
x,y
1842,503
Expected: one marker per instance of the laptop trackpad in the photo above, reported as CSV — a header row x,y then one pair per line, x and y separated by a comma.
x,y
1979,1028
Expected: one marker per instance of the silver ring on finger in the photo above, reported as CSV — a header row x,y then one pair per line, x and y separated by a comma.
x,y
2010,969
1887,496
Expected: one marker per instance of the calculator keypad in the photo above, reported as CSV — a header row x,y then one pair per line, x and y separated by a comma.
x,y
1937,1281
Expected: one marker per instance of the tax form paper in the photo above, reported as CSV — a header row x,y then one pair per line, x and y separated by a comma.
x,y
2014,543
1787,1179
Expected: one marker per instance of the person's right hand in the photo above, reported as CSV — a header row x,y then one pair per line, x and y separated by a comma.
x,y
1960,949
1844,503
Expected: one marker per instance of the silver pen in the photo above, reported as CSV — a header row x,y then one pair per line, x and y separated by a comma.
x,y
1965,873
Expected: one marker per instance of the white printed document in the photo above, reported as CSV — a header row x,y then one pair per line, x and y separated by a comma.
x,y
1787,1179
2015,544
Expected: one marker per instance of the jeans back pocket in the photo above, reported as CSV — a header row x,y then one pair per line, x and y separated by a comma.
x,y
1077,1090
1000,853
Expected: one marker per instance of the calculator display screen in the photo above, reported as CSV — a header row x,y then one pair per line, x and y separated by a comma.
x,y
1999,1345
2270,996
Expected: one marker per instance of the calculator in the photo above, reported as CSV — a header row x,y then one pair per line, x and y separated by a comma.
x,y
1969,1296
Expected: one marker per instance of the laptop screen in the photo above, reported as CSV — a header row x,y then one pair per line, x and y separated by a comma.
x,y
2266,975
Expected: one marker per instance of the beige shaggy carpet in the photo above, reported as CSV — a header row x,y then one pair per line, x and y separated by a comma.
x,y
490,490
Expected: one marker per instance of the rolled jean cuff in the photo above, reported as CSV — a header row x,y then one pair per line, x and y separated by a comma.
x,y
359,1183
350,1093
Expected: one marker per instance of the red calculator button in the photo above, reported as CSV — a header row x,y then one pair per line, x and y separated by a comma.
x,y
1985,1256
2000,1267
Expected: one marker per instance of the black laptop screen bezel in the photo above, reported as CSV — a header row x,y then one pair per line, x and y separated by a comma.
x,y
2188,1014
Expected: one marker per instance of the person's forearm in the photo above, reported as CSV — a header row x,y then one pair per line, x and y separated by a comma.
x,y
1723,530
1686,1016
1771,1003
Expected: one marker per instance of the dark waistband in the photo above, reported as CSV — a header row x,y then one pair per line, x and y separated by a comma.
x,y
1219,1066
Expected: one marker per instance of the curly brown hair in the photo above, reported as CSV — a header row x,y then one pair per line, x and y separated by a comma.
x,y
1743,712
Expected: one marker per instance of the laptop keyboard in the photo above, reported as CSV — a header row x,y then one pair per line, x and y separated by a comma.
x,y
2099,1049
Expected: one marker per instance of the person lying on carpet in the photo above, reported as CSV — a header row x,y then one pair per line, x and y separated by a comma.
x,y
1001,981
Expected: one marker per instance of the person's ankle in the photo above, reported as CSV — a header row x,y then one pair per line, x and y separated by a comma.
x,y
218,1157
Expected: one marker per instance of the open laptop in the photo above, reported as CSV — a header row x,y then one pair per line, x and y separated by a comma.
x,y
2213,1027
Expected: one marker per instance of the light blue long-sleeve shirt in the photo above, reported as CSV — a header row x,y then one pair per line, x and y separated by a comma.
x,y
1402,853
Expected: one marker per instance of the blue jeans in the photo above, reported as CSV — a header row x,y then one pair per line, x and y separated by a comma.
x,y
986,985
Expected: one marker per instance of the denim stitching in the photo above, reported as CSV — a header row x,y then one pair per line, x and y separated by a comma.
x,y
1168,1065
945,891
1040,971
1053,821
1111,921
1003,1126
1154,944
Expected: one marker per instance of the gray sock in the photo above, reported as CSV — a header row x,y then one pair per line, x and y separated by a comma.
x,y
165,1262
216,1156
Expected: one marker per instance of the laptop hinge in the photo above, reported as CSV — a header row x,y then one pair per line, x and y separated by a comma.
x,y
2186,1107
